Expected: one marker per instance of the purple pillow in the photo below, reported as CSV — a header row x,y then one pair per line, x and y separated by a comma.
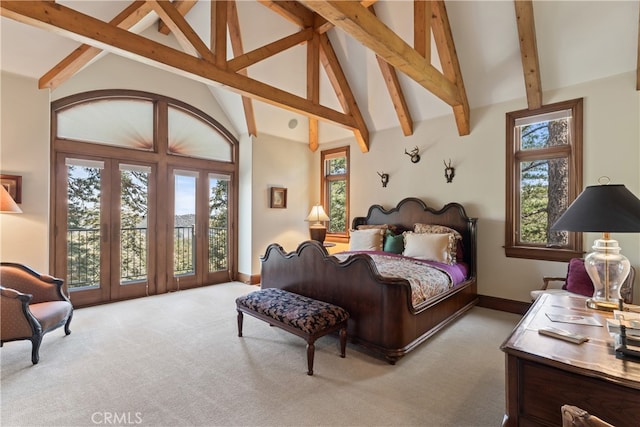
x,y
578,281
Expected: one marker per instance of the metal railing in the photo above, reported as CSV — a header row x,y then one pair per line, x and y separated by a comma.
x,y
83,254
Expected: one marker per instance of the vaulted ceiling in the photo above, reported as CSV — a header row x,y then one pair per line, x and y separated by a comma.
x,y
335,68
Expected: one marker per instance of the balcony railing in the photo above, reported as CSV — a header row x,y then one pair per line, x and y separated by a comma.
x,y
83,254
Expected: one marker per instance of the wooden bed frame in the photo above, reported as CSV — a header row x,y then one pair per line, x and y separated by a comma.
x,y
382,318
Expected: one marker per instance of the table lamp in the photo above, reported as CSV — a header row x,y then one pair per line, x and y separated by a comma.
x,y
317,230
604,208
7,204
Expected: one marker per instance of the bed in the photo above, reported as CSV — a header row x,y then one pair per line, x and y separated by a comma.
x,y
383,317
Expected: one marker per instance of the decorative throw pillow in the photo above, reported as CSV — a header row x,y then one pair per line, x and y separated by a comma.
x,y
370,226
578,281
428,246
393,243
366,240
435,228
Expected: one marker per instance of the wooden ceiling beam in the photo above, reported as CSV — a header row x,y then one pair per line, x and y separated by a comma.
x,y
422,28
183,7
529,52
390,77
313,87
450,65
69,23
292,11
183,32
235,37
362,25
80,57
243,61
343,91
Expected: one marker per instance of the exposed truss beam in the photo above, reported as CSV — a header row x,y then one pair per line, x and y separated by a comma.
x,y
361,24
390,77
343,91
182,6
80,57
449,62
86,29
313,87
186,36
236,47
529,52
240,62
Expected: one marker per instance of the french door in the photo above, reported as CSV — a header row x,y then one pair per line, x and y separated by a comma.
x,y
200,228
144,196
102,235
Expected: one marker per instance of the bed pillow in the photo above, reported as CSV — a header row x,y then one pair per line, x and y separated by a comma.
x,y
393,243
435,228
366,240
455,237
428,246
578,281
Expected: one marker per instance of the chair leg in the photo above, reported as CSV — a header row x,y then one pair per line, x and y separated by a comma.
x,y
310,352
35,348
343,341
240,317
67,331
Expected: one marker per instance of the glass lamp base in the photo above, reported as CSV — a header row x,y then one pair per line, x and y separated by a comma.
x,y
603,305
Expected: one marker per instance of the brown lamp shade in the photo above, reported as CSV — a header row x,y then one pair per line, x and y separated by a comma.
x,y
7,204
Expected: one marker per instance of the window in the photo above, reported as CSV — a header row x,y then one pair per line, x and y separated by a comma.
x,y
544,175
335,191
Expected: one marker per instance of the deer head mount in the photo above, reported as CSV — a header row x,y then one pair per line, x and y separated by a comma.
x,y
449,171
384,177
415,157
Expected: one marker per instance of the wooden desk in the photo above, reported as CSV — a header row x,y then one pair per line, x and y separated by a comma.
x,y
544,373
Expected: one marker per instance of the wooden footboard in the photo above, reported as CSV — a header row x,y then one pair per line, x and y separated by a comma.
x,y
382,317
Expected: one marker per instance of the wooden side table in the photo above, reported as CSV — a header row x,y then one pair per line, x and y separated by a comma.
x,y
544,373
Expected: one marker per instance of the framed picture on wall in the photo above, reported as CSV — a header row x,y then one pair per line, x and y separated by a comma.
x,y
13,185
278,197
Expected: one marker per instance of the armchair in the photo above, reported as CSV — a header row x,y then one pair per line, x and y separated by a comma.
x,y
32,304
577,281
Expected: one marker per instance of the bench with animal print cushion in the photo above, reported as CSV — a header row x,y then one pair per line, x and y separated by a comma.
x,y
300,315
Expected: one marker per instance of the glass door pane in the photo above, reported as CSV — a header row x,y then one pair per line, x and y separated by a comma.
x,y
218,243
83,224
184,259
134,209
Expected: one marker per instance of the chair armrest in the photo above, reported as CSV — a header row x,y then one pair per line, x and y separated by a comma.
x,y
17,320
547,279
23,279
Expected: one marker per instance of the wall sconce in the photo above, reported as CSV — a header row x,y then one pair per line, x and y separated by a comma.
x,y
449,171
415,157
384,178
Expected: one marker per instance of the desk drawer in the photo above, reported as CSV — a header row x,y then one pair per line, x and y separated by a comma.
x,y
544,389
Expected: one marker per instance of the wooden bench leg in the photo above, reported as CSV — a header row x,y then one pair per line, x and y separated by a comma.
x,y
310,352
240,323
343,341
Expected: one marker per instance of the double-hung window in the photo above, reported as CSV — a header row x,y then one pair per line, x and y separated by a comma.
x,y
544,175
335,191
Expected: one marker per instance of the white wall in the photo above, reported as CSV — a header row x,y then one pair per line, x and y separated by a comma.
x,y
612,134
281,163
24,151
611,147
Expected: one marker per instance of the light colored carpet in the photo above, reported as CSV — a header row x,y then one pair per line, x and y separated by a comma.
x,y
176,360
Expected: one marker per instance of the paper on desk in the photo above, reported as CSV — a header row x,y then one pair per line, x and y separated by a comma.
x,y
573,318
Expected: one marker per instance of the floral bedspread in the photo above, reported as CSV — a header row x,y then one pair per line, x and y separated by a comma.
x,y
426,279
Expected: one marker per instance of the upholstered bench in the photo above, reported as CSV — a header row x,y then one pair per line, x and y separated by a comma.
x,y
300,315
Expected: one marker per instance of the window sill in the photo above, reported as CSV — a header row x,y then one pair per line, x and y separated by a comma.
x,y
544,254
